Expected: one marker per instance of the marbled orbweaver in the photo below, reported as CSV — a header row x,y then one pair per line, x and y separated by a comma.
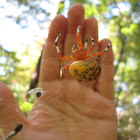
x,y
80,68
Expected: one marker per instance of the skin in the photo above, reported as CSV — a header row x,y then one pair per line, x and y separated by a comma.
x,y
69,110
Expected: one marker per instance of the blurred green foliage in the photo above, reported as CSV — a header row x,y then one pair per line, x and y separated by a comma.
x,y
123,22
60,7
26,107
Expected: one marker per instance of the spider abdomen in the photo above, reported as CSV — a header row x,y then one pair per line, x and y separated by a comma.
x,y
85,70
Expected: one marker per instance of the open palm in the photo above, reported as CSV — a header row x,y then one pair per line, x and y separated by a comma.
x,y
69,110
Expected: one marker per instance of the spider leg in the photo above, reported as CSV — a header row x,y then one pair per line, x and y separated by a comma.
x,y
91,47
85,46
67,66
99,53
97,58
78,38
73,47
58,51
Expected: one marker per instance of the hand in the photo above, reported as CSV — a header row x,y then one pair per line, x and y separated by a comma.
x,y
69,110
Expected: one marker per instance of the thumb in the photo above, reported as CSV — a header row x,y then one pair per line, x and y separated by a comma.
x,y
10,113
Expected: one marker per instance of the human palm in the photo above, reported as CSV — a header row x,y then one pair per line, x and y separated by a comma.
x,y
69,110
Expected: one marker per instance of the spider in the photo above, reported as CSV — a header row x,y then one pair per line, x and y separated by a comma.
x,y
80,68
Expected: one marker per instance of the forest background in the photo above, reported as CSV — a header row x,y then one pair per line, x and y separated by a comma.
x,y
24,26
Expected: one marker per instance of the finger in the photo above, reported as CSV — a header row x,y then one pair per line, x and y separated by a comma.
x,y
75,18
91,30
105,84
50,63
10,114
